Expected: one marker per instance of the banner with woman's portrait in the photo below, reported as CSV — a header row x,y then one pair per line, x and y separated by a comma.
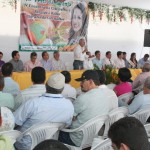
x,y
52,24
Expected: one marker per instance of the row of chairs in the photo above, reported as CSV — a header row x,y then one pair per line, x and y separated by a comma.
x,y
106,144
90,129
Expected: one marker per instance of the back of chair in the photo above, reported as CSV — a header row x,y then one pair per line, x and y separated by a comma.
x,y
147,128
142,114
117,114
12,134
91,128
41,132
103,145
111,86
124,99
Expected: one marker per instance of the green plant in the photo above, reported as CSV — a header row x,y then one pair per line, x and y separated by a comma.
x,y
111,75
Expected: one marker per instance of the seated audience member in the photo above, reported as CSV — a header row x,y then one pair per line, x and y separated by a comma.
x,y
119,62
1,61
142,99
138,82
97,60
6,99
107,60
51,145
124,75
110,93
10,86
68,91
143,60
33,62
125,60
128,133
38,76
88,64
92,103
46,63
57,63
16,62
133,61
50,107
79,53
7,123
102,78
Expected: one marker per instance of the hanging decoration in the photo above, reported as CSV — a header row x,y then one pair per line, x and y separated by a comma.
x,y
114,13
12,3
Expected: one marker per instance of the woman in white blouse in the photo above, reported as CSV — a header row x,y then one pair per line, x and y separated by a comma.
x,y
133,61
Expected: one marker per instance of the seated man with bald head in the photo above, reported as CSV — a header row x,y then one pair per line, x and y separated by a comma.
x,y
137,84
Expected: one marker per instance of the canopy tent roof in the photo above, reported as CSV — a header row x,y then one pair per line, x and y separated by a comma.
x,y
143,4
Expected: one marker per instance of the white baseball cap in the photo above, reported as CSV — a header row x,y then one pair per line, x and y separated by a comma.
x,y
56,80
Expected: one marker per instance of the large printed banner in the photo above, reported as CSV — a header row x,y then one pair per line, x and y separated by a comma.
x,y
52,24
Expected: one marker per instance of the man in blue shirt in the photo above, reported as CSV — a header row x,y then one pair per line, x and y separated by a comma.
x,y
50,107
143,60
97,61
142,99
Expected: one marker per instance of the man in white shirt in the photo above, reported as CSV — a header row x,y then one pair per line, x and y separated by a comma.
x,y
94,102
46,63
50,107
68,92
79,54
107,60
57,63
98,62
110,93
88,64
119,62
38,76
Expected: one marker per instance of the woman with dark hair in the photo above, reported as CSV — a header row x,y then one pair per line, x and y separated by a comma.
x,y
133,61
79,23
124,75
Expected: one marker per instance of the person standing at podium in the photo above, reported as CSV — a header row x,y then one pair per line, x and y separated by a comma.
x,y
79,55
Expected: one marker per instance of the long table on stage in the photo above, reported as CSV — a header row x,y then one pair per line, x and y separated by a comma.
x,y
24,78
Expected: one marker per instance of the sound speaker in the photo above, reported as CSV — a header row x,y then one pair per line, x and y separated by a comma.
x,y
147,38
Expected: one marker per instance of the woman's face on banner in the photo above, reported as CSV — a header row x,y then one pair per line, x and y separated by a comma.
x,y
77,20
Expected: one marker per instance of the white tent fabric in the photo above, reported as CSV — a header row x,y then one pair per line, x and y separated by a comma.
x,y
143,4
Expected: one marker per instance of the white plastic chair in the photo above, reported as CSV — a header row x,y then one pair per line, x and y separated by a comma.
x,y
12,134
142,114
103,145
147,128
124,99
41,132
111,86
89,130
115,115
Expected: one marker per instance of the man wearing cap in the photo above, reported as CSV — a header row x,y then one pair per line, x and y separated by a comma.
x,y
50,107
94,102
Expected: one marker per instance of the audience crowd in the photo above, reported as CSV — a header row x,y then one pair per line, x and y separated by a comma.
x,y
55,100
